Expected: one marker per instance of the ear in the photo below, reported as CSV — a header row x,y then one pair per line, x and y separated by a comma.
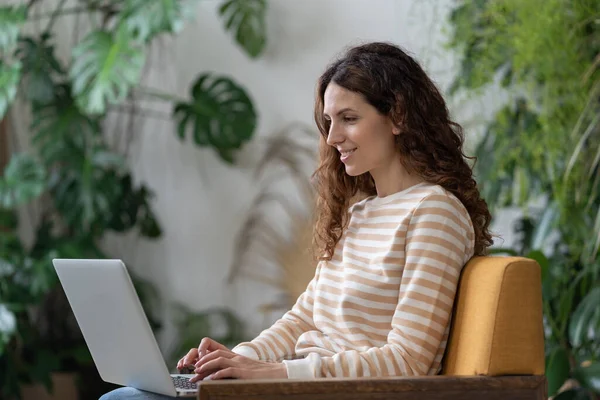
x,y
396,130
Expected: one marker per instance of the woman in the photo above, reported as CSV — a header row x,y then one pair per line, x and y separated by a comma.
x,y
381,299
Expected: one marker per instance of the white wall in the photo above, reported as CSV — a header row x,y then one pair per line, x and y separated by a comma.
x,y
200,202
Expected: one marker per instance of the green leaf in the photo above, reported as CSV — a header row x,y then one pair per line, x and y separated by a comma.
x,y
62,133
220,115
144,19
246,20
11,19
8,324
585,321
24,179
574,394
105,67
557,369
40,67
9,80
589,376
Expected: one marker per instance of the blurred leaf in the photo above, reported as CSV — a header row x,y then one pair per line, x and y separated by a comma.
x,y
11,19
144,19
9,80
544,226
557,369
220,115
105,66
589,376
8,220
246,20
24,179
45,364
8,324
542,260
61,132
39,68
574,394
585,321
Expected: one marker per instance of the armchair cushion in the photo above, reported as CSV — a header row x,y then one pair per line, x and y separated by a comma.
x,y
497,324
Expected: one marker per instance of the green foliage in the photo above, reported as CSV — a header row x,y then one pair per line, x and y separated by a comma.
x,y
9,80
85,188
106,65
220,113
11,19
246,20
545,145
24,179
144,19
40,67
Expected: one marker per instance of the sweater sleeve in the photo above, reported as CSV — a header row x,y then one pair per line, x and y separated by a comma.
x,y
438,244
279,341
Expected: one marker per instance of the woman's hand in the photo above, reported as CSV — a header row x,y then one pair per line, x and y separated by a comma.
x,y
206,346
221,364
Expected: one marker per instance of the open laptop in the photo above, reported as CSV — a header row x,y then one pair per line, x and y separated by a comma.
x,y
115,327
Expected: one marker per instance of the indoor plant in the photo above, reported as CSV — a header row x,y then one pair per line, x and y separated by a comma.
x,y
541,152
84,186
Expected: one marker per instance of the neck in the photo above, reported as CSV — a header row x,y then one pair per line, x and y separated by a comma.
x,y
393,178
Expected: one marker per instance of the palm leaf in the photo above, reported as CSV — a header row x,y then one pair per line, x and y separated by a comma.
x,y
11,19
220,115
24,179
40,66
246,20
9,80
144,19
105,67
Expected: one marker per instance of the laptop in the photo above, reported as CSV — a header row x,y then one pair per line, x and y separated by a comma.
x,y
115,327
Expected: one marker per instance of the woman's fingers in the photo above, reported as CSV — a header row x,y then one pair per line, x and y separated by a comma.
x,y
190,359
213,355
230,372
212,366
208,345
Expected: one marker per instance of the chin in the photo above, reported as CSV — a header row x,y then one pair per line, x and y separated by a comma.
x,y
352,171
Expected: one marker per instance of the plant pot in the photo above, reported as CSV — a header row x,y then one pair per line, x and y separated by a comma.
x,y
64,385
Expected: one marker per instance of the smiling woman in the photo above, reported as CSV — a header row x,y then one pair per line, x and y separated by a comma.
x,y
381,299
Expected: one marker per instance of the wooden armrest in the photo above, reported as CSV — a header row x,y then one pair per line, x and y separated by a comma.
x,y
405,388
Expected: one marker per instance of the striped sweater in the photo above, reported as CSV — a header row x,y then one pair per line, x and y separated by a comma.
x,y
382,305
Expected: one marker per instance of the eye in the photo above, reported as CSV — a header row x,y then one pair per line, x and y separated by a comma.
x,y
350,119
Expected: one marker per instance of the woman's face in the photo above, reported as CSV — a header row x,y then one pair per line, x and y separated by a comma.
x,y
363,137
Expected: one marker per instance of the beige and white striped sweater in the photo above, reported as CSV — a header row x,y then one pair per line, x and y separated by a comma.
x,y
382,305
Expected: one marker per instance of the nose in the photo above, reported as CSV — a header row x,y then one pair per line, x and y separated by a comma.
x,y
335,135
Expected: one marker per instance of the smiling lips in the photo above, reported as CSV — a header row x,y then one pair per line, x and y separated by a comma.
x,y
345,154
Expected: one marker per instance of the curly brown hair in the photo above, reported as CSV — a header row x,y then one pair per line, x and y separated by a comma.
x,y
430,143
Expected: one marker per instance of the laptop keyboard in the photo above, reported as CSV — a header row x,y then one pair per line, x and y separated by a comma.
x,y
181,382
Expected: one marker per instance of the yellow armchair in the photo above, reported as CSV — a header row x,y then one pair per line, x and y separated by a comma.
x,y
495,348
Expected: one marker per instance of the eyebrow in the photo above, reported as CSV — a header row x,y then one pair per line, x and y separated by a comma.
x,y
343,110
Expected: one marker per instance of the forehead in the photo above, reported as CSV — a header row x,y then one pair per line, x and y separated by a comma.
x,y
337,98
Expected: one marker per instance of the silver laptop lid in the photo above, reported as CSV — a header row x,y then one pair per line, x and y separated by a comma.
x,y
113,324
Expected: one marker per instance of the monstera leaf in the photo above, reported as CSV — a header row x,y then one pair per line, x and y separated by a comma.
x,y
61,130
24,179
9,80
220,114
39,68
105,67
246,20
143,19
11,19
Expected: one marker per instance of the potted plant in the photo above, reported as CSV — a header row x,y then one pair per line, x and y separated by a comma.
x,y
541,152
84,187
